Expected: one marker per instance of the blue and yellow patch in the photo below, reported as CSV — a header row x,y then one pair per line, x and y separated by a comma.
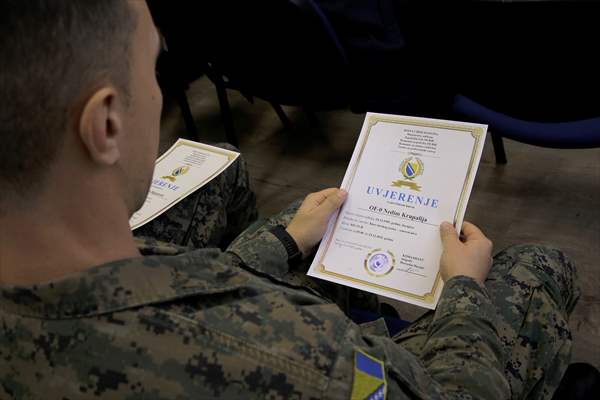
x,y
369,381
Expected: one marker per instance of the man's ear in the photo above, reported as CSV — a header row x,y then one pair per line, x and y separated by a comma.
x,y
100,126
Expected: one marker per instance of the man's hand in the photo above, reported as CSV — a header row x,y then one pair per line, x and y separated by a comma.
x,y
470,257
310,222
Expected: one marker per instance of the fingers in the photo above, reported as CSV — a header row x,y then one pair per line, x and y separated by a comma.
x,y
334,201
313,200
334,196
448,234
471,231
474,235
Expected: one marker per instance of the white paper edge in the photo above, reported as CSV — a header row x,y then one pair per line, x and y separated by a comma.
x,y
479,151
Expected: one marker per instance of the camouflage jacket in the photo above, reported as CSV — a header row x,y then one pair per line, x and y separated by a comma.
x,y
208,324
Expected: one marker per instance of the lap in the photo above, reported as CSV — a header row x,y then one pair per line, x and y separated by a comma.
x,y
534,290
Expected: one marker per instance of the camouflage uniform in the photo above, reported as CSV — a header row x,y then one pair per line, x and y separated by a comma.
x,y
180,324
533,290
217,213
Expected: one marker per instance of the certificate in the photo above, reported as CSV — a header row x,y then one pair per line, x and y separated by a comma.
x,y
181,170
406,176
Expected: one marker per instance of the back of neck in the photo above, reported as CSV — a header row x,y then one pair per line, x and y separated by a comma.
x,y
53,239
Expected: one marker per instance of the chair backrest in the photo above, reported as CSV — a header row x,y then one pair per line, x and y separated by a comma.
x,y
281,50
540,61
563,135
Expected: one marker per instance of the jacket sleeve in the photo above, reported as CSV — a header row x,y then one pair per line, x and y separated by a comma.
x,y
261,251
462,357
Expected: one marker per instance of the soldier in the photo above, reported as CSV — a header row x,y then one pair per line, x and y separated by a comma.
x,y
84,315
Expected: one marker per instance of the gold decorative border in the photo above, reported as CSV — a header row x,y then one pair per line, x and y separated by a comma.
x,y
188,143
475,131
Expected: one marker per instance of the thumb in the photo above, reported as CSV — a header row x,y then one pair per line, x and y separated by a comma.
x,y
333,201
448,234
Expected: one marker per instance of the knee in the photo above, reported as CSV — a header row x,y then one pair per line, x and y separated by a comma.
x,y
551,268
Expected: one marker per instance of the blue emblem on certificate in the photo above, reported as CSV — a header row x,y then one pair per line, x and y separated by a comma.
x,y
380,262
176,172
410,168
369,381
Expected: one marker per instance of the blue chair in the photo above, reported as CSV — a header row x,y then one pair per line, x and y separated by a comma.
x,y
560,135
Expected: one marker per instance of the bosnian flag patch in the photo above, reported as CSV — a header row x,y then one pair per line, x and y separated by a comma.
x,y
369,377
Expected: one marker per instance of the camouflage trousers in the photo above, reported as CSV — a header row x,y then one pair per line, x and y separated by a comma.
x,y
534,289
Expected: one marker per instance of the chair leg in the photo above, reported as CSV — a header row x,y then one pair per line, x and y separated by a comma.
x,y
226,115
188,118
499,148
281,114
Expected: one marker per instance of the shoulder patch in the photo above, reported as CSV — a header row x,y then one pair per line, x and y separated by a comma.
x,y
369,382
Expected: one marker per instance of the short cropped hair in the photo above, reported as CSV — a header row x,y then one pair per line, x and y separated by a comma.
x,y
53,54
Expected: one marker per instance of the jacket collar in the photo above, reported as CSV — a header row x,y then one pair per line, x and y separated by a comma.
x,y
124,284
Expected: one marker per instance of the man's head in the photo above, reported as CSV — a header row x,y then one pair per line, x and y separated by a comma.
x,y
77,81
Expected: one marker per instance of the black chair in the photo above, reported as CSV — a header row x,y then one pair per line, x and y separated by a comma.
x,y
284,52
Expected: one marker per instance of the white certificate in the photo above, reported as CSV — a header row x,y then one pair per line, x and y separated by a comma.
x,y
406,176
181,170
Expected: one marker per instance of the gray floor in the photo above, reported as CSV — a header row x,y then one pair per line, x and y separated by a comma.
x,y
543,195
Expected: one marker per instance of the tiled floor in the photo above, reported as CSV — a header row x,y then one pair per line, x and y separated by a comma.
x,y
542,195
